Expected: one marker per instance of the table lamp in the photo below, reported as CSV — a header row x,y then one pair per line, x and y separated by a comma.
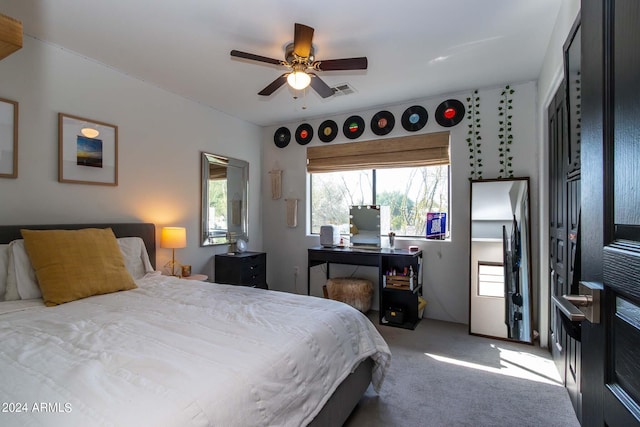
x,y
173,238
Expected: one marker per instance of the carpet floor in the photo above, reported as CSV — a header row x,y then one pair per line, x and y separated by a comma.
x,y
442,376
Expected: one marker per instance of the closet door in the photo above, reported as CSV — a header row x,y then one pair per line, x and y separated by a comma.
x,y
557,114
610,200
564,264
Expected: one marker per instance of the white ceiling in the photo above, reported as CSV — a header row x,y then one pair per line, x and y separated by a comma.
x,y
416,48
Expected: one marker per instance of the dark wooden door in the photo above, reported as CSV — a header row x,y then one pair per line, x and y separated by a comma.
x,y
557,222
611,210
564,214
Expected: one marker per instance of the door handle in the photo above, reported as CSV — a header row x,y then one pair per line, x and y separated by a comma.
x,y
579,300
584,306
568,309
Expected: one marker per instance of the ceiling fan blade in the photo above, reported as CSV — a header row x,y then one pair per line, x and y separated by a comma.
x,y
274,85
320,86
253,57
343,64
302,38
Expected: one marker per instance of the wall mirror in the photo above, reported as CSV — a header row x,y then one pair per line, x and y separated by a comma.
x,y
500,297
225,187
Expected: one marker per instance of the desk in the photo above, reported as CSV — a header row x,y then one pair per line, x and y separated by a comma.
x,y
383,258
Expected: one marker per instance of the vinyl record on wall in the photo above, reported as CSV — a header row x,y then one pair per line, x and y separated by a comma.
x,y
328,131
304,134
282,137
382,122
353,127
414,118
449,113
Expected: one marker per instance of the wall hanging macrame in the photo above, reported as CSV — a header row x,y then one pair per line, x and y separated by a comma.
x,y
276,184
292,212
236,211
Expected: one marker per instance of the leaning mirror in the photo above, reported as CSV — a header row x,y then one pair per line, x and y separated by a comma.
x,y
500,296
225,186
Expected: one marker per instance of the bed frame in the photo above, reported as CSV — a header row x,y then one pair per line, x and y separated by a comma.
x,y
146,231
337,409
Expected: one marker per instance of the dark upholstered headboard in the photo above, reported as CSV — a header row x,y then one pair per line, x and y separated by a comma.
x,y
146,231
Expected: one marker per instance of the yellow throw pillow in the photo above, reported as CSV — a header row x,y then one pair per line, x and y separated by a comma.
x,y
75,264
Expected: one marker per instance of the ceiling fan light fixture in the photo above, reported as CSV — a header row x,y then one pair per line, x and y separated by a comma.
x,y
298,79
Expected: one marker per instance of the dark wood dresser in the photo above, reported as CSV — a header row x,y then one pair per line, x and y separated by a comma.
x,y
244,269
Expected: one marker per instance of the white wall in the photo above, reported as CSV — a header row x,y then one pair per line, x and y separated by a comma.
x,y
551,75
446,272
160,139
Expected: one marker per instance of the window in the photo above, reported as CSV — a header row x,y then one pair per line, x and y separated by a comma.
x,y
490,280
409,174
409,192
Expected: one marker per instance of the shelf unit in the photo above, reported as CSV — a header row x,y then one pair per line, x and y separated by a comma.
x,y
403,299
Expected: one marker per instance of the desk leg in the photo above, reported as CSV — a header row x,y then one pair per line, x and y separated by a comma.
x,y
309,276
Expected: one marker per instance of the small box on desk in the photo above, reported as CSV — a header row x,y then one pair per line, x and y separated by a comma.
x,y
405,283
394,315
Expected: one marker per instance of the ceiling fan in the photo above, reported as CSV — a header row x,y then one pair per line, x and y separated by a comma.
x,y
301,61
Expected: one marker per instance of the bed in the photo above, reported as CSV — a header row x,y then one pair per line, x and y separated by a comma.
x,y
173,352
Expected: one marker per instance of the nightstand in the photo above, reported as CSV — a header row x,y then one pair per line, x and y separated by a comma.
x,y
201,277
243,268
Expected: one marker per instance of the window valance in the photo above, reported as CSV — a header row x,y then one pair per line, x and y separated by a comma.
x,y
408,151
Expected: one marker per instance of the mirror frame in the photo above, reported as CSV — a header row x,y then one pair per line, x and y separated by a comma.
x,y
206,159
529,288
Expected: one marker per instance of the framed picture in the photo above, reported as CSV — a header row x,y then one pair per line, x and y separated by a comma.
x,y
87,151
8,139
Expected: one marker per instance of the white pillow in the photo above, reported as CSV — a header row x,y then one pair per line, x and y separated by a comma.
x,y
4,267
136,258
21,277
21,282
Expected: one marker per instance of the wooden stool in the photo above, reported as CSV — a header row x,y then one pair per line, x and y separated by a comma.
x,y
358,293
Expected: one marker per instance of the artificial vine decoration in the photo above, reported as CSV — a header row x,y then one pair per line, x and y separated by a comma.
x,y
504,132
473,135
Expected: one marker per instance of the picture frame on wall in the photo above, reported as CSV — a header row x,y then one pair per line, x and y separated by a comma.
x,y
87,151
8,138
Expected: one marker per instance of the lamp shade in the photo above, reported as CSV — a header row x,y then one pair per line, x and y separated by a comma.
x,y
298,79
173,237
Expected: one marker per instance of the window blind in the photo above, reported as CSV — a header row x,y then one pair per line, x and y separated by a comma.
x,y
217,171
408,151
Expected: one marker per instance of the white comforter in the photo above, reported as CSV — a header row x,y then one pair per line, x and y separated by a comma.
x,y
180,353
